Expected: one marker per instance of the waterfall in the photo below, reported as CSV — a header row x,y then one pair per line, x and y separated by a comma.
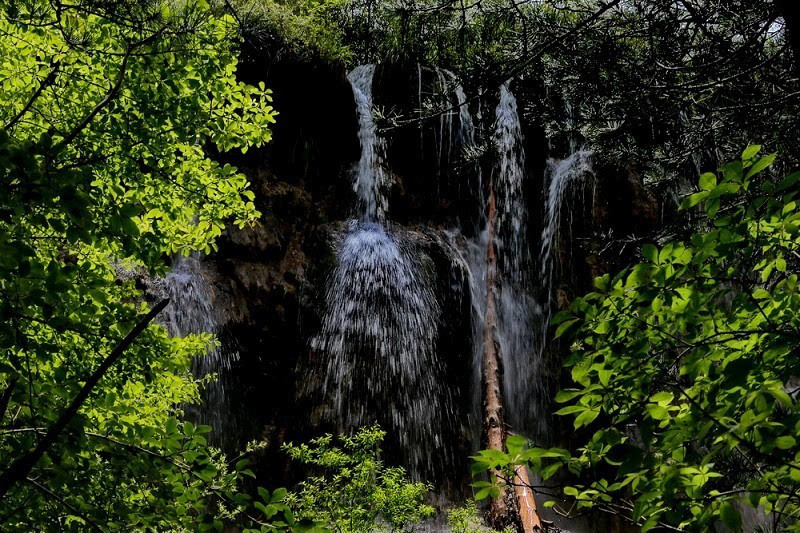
x,y
519,314
376,347
379,337
445,118
472,253
447,100
466,127
370,181
511,211
191,311
561,175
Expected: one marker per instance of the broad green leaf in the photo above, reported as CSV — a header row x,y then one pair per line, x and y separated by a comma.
x,y
759,166
708,181
750,152
730,516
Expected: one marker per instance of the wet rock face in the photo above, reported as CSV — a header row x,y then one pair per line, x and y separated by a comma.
x,y
622,202
315,138
272,279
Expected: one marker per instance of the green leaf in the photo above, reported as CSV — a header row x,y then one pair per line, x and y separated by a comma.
x,y
759,166
730,516
586,418
662,398
515,444
482,494
694,199
657,412
708,181
566,395
650,253
278,495
724,189
570,409
750,152
788,182
564,327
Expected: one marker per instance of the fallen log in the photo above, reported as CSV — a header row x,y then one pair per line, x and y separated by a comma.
x,y
507,508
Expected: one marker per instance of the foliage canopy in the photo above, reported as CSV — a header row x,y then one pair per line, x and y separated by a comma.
x,y
684,368
106,111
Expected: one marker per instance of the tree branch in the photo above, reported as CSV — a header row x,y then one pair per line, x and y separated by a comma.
x,y
22,466
51,77
44,490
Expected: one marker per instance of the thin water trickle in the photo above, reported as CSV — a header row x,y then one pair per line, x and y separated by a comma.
x,y
562,175
472,254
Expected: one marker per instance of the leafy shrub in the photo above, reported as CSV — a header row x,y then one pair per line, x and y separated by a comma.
x,y
354,491
305,28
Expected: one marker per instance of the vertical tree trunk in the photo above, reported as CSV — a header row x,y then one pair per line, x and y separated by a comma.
x,y
504,510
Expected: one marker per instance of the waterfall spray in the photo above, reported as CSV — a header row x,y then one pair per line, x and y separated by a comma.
x,y
379,337
191,311
379,333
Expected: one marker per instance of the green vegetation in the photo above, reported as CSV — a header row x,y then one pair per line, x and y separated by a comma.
x,y
115,117
684,368
300,29
105,113
354,491
467,519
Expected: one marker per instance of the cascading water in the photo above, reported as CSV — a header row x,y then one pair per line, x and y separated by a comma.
x,y
370,177
511,211
379,334
561,176
379,337
466,127
518,312
472,253
190,312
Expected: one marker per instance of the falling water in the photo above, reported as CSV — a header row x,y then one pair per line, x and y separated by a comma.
x,y
518,312
561,174
472,253
370,179
379,337
466,128
511,211
445,139
191,312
